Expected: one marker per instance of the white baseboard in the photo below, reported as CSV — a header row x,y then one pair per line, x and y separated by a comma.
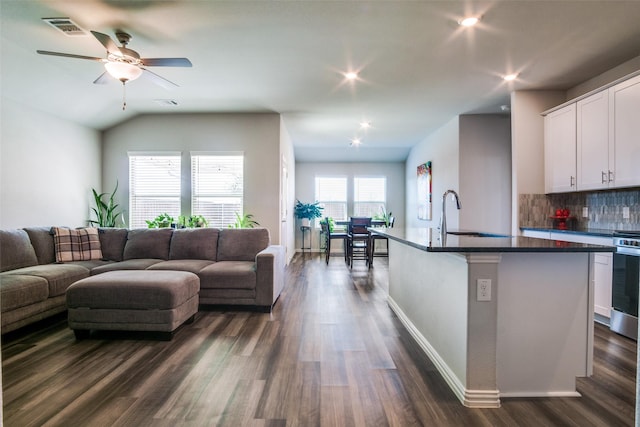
x,y
469,398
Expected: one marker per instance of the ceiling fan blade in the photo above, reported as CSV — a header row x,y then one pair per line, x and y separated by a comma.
x,y
166,62
107,42
160,81
103,79
69,55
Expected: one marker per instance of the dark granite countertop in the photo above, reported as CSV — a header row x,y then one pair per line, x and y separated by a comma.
x,y
595,232
428,239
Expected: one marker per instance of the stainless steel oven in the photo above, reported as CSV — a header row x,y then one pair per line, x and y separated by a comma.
x,y
626,279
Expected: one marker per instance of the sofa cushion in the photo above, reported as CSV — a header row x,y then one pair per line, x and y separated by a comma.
x,y
228,275
241,244
16,250
58,276
112,241
129,264
18,290
148,243
82,244
191,265
42,242
194,243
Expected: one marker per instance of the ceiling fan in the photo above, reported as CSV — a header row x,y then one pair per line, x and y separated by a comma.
x,y
125,64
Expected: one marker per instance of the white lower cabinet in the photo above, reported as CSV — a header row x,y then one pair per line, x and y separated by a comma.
x,y
602,269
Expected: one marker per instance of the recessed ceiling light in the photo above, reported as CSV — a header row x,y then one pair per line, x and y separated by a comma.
x,y
469,22
365,125
355,142
510,77
352,75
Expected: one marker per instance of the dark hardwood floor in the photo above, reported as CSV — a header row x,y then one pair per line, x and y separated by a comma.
x,y
331,353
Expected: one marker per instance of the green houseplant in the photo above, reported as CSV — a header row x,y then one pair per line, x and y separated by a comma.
x,y
329,221
384,216
192,221
163,220
105,211
244,221
307,211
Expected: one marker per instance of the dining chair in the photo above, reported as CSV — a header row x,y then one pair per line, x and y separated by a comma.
x,y
333,235
359,240
377,237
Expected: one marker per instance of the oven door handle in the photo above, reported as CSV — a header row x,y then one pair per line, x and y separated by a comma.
x,y
627,251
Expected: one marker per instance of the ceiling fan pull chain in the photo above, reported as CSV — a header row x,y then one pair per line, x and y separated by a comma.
x,y
124,96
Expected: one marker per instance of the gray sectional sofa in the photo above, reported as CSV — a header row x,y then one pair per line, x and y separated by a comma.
x,y
236,267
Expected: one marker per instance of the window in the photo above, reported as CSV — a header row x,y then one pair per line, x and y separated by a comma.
x,y
217,187
369,196
331,192
154,186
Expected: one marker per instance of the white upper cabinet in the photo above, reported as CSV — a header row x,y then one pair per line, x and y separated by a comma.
x,y
594,143
594,171
624,132
560,150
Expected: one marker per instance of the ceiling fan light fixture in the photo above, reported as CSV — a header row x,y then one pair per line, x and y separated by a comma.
x,y
123,71
469,21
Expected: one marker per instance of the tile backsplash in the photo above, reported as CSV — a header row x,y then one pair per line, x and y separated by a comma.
x,y
605,209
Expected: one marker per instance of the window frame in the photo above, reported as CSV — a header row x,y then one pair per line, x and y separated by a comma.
x,y
357,188
342,204
222,220
154,188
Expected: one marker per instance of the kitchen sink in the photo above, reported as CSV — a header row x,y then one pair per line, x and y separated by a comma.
x,y
475,234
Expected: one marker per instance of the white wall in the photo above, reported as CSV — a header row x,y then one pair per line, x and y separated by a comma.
x,y
306,173
442,149
527,144
288,191
257,135
485,173
47,169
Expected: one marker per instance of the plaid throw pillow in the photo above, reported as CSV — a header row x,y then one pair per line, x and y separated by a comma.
x,y
82,244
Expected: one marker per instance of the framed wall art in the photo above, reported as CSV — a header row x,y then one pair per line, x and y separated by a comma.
x,y
424,191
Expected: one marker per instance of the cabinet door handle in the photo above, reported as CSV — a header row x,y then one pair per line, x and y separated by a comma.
x,y
611,176
604,177
572,181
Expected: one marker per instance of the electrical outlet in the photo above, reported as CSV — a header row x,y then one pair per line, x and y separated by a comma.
x,y
625,212
585,212
484,289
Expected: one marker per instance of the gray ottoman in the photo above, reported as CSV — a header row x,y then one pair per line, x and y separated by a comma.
x,y
133,300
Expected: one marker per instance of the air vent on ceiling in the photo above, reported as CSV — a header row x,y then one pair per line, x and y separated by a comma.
x,y
166,102
66,25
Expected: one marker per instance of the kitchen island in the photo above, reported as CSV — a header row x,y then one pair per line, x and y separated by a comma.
x,y
499,316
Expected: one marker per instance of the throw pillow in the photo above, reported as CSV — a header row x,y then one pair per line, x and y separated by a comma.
x,y
82,244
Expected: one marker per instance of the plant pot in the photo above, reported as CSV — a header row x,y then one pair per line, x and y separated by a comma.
x,y
305,222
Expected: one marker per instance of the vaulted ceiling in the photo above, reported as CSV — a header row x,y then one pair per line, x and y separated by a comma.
x,y
417,68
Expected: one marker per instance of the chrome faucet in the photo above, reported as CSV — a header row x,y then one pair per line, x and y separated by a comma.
x,y
443,217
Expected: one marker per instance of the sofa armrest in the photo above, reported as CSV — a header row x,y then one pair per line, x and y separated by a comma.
x,y
269,275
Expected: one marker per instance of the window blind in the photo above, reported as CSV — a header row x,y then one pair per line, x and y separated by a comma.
x,y
369,195
154,187
217,187
331,192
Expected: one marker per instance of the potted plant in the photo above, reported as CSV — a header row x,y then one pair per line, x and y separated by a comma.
x,y
192,221
384,216
163,220
105,211
244,221
307,211
330,223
